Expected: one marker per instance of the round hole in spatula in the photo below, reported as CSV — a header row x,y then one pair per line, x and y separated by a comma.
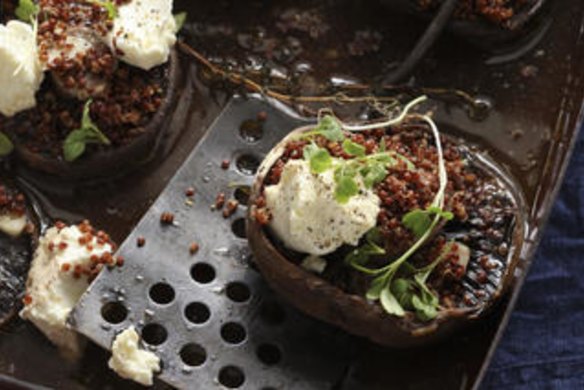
x,y
114,312
241,194
203,273
247,164
238,292
162,293
154,334
269,354
193,355
233,333
197,313
238,228
231,377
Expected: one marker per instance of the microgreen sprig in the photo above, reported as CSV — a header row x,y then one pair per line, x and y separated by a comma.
x,y
77,140
385,287
26,10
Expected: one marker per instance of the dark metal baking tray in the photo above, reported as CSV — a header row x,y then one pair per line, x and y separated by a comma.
x,y
537,103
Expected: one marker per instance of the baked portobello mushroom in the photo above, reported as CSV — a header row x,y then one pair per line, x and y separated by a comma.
x,y
384,231
108,86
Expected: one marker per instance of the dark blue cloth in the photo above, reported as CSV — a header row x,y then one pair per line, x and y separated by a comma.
x,y
543,347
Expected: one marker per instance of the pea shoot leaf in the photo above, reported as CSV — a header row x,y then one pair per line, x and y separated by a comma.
x,y
362,254
180,20
377,285
419,221
26,10
373,175
425,311
319,158
353,148
329,128
390,303
346,188
77,140
6,146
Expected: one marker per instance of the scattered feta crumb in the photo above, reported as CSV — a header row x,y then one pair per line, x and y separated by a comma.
x,y
130,362
13,224
314,264
21,72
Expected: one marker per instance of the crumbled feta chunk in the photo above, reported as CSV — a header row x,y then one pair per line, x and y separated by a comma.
x,y
308,219
130,362
21,73
144,31
314,264
54,287
12,224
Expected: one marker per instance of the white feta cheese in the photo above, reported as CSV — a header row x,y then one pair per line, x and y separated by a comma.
x,y
52,287
314,264
130,362
12,224
21,72
308,219
144,31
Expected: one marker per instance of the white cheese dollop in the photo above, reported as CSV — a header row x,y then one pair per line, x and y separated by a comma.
x,y
21,72
130,362
12,224
53,292
145,31
308,219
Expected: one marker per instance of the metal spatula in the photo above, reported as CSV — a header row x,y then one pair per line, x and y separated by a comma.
x,y
208,315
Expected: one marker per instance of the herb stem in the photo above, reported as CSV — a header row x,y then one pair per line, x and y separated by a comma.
x,y
389,122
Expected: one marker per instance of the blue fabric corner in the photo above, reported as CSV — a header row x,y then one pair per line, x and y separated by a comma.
x,y
543,347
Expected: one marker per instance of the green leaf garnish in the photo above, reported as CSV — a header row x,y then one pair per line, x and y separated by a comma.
x,y
374,292
110,6
180,20
390,303
346,188
319,158
419,221
328,127
353,148
26,10
77,140
6,146
398,285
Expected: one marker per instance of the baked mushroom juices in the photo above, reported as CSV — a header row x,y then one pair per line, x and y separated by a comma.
x,y
390,231
111,77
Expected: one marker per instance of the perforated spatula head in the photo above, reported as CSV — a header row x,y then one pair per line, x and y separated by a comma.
x,y
207,313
